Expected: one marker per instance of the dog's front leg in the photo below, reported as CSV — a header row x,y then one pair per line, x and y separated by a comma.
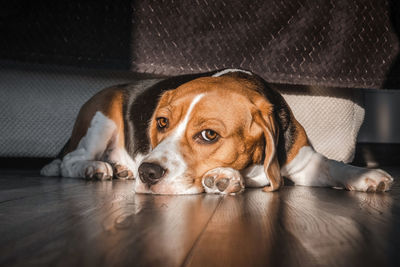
x,y
223,181
310,168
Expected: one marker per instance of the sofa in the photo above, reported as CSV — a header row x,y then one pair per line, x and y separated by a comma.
x,y
320,56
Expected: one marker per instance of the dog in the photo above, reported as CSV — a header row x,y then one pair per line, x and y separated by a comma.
x,y
215,132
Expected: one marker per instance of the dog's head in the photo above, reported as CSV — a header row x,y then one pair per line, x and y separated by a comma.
x,y
207,123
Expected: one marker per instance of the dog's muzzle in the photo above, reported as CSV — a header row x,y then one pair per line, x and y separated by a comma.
x,y
150,173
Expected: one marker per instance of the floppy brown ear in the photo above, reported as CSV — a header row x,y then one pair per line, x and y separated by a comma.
x,y
268,124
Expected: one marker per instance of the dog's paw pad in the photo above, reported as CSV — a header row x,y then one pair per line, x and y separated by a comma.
x,y
222,184
209,181
371,181
223,181
122,172
98,170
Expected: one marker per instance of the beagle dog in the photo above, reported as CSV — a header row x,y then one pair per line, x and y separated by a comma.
x,y
217,132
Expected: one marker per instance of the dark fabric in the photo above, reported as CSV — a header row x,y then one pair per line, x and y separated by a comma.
x,y
343,43
78,33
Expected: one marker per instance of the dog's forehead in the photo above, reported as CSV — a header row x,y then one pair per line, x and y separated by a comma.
x,y
229,100
230,90
223,105
223,98
224,84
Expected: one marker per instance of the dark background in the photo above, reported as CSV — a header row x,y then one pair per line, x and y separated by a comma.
x,y
344,43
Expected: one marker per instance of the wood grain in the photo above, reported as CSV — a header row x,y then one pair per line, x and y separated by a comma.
x,y
70,222
101,224
25,183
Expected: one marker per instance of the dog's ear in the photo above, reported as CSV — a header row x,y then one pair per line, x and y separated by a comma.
x,y
263,116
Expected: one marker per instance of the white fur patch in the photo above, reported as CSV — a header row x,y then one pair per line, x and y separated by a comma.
x,y
310,168
218,74
182,126
91,146
302,165
168,155
254,176
52,169
95,151
136,163
117,155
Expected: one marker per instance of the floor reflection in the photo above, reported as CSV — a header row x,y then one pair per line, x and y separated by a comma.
x,y
297,226
153,229
243,227
339,227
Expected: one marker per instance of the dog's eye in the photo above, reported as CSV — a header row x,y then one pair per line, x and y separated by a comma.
x,y
162,123
209,135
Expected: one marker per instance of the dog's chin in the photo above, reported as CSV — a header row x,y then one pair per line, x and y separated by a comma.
x,y
167,189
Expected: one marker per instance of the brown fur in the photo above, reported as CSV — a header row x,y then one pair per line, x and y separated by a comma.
x,y
300,141
245,123
109,102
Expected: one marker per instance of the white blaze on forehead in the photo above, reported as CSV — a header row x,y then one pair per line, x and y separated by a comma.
x,y
182,126
231,70
169,156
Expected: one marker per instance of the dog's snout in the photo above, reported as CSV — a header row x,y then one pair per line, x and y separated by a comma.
x,y
150,173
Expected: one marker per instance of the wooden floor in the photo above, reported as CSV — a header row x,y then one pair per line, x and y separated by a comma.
x,y
71,222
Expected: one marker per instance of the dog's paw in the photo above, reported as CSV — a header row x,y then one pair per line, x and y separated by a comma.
x,y
375,180
52,169
98,170
122,172
223,181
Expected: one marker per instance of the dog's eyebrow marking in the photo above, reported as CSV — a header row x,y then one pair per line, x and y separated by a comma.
x,y
203,121
230,70
182,126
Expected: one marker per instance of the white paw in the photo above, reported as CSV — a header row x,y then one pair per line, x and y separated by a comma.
x,y
52,169
223,181
98,170
375,180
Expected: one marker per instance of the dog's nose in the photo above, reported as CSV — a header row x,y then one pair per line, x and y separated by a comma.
x,y
150,173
